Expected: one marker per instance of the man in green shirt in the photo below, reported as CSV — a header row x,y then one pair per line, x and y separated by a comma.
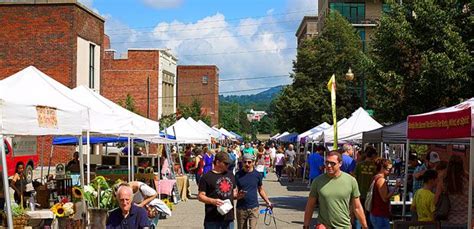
x,y
335,192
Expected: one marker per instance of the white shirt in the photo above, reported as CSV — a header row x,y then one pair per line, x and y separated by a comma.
x,y
273,152
143,191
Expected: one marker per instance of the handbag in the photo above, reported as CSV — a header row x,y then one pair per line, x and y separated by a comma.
x,y
442,207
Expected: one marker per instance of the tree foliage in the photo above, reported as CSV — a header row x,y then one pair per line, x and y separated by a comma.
x,y
306,102
422,53
128,103
194,110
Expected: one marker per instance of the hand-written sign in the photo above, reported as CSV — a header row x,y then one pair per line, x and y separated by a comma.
x,y
47,117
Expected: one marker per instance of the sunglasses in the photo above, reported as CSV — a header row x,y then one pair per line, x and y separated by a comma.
x,y
331,163
248,162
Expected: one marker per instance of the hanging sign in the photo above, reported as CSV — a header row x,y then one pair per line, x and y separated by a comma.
x,y
47,117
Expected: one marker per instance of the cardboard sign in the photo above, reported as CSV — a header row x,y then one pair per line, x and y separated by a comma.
x,y
47,117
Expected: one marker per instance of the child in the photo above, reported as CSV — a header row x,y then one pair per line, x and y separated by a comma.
x,y
424,201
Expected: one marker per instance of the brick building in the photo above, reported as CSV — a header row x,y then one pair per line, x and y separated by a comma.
x,y
62,38
147,75
200,82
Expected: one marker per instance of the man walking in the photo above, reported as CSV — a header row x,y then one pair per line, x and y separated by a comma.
x,y
249,183
217,189
315,163
290,155
336,192
364,174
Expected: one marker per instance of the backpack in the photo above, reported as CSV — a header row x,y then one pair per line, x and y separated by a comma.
x,y
368,197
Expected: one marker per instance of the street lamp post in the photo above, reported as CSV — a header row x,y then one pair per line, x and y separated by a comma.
x,y
363,95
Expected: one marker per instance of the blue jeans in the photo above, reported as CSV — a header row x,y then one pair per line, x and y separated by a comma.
x,y
219,225
380,222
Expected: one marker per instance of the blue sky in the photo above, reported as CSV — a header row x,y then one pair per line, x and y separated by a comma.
x,y
244,38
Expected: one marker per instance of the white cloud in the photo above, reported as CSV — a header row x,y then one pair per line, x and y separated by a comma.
x,y
163,4
249,48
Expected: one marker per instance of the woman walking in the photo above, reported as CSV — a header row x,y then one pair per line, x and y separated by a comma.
x,y
208,158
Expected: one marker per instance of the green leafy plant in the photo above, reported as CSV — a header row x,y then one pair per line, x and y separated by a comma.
x,y
100,194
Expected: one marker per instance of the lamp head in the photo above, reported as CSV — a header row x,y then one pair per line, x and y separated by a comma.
x,y
349,75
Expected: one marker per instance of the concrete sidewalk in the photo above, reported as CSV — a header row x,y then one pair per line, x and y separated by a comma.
x,y
289,201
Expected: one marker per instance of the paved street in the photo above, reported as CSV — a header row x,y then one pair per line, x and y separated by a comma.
x,y
289,200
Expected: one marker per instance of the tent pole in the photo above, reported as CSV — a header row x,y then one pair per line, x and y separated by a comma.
x,y
128,159
405,180
471,167
88,156
132,156
5,184
42,159
81,169
49,163
306,162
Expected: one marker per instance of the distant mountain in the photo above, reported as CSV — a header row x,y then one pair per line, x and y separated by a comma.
x,y
259,101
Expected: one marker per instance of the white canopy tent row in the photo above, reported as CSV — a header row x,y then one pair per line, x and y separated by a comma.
x,y
274,136
352,129
203,129
188,134
321,127
31,103
319,136
216,133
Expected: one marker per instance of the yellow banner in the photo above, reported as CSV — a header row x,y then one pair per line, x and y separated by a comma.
x,y
332,89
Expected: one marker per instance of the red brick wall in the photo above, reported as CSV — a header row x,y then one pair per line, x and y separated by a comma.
x,y
190,87
129,76
45,36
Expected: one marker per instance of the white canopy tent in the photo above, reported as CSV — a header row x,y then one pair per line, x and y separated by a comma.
x,y
185,133
318,136
31,103
227,133
316,129
282,135
216,133
351,130
274,136
201,128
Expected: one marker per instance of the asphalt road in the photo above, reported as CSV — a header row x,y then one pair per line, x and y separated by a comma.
x,y
289,201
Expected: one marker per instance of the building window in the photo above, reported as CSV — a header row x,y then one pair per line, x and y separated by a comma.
x,y
205,79
354,12
361,32
91,66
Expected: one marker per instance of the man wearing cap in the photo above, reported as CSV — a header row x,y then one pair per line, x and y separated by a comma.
x,y
249,183
432,159
215,188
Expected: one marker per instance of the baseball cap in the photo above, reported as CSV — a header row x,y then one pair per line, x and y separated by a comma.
x,y
434,157
248,156
223,157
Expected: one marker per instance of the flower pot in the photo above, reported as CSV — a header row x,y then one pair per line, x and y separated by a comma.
x,y
97,217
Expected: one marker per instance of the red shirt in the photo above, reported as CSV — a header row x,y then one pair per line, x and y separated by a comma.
x,y
379,207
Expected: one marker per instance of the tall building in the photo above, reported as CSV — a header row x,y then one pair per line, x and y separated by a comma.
x,y
62,38
308,28
363,15
200,82
148,76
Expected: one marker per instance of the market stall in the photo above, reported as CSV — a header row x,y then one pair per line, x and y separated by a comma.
x,y
31,103
451,124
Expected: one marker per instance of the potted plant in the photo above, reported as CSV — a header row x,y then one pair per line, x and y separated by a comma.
x,y
64,210
100,199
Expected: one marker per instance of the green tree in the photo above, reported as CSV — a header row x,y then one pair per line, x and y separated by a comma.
x,y
128,103
306,102
422,51
194,110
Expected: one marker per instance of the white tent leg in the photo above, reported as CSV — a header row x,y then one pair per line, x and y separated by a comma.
x,y
88,150
81,169
6,185
132,166
471,167
128,157
405,180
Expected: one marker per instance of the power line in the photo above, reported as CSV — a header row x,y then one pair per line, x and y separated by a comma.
x,y
205,28
202,38
242,52
231,19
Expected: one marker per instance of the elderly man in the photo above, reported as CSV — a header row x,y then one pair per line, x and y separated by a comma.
x,y
128,215
348,163
290,156
335,192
